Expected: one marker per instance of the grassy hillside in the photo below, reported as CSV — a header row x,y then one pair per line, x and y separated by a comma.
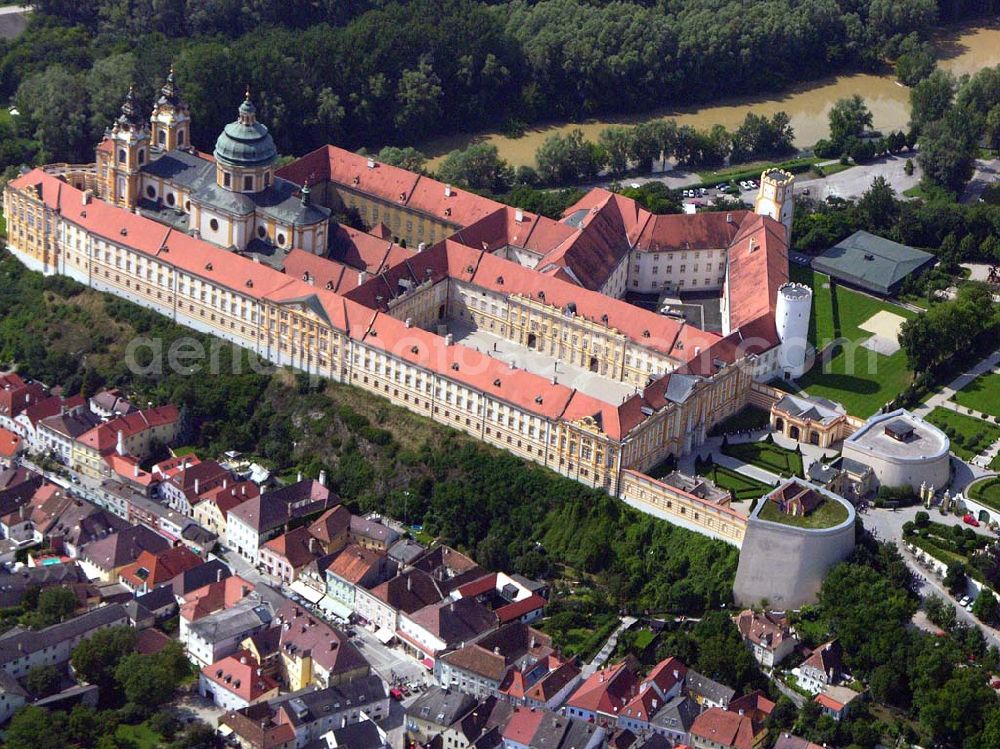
x,y
509,514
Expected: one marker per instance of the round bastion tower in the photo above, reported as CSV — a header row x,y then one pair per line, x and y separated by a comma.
x,y
791,319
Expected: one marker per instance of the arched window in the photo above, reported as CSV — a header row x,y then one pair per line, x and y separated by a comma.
x,y
142,155
151,191
281,240
161,137
248,182
122,156
180,137
227,179
171,199
261,232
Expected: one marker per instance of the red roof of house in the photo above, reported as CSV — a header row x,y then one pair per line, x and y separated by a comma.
x,y
829,702
354,562
152,570
606,690
522,725
221,594
293,547
240,675
725,728
517,609
16,395
150,641
128,468
10,443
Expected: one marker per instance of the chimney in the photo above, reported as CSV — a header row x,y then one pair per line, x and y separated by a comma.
x,y
447,191
197,486
362,277
299,476
322,477
409,582
312,545
518,215
449,340
135,470
371,163
244,590
225,483
496,650
333,645
742,711
218,575
421,247
409,322
120,447
86,197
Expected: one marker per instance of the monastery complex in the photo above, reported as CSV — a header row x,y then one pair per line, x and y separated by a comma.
x,y
506,325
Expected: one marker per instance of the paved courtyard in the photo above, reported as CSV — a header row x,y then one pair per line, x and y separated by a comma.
x,y
591,383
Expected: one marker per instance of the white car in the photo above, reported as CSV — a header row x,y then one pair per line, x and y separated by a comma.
x,y
963,601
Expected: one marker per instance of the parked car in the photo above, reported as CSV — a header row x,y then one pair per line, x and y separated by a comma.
x,y
722,186
396,694
969,520
963,601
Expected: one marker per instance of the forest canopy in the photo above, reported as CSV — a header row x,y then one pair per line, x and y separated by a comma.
x,y
372,72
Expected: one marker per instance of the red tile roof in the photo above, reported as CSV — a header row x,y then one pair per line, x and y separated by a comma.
x,y
354,563
293,547
213,597
160,568
517,609
758,265
606,691
724,728
10,443
522,725
240,674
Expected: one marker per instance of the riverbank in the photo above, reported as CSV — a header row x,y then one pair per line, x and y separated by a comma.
x,y
960,49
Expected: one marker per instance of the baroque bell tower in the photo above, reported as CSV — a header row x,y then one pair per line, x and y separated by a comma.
x,y
122,154
170,122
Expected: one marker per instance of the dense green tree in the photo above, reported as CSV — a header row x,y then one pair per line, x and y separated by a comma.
x,y
931,98
916,60
878,210
408,158
96,659
36,728
849,118
986,608
419,95
54,605
42,681
478,167
947,154
54,101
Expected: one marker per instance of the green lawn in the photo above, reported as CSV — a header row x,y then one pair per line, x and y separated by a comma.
x,y
140,736
752,170
743,487
768,456
982,394
986,491
969,436
828,514
861,380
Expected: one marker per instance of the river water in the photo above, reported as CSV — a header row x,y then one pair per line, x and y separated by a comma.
x,y
960,50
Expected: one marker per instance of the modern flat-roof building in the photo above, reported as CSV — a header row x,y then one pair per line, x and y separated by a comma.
x,y
872,263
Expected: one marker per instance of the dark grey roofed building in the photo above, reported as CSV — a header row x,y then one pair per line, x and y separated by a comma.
x,y
435,710
674,719
363,735
13,585
212,571
279,201
405,552
22,650
872,263
711,692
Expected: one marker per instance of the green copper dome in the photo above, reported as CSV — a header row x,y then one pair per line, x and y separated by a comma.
x,y
246,142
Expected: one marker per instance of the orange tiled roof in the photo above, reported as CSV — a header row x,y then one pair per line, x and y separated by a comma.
x,y
10,443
